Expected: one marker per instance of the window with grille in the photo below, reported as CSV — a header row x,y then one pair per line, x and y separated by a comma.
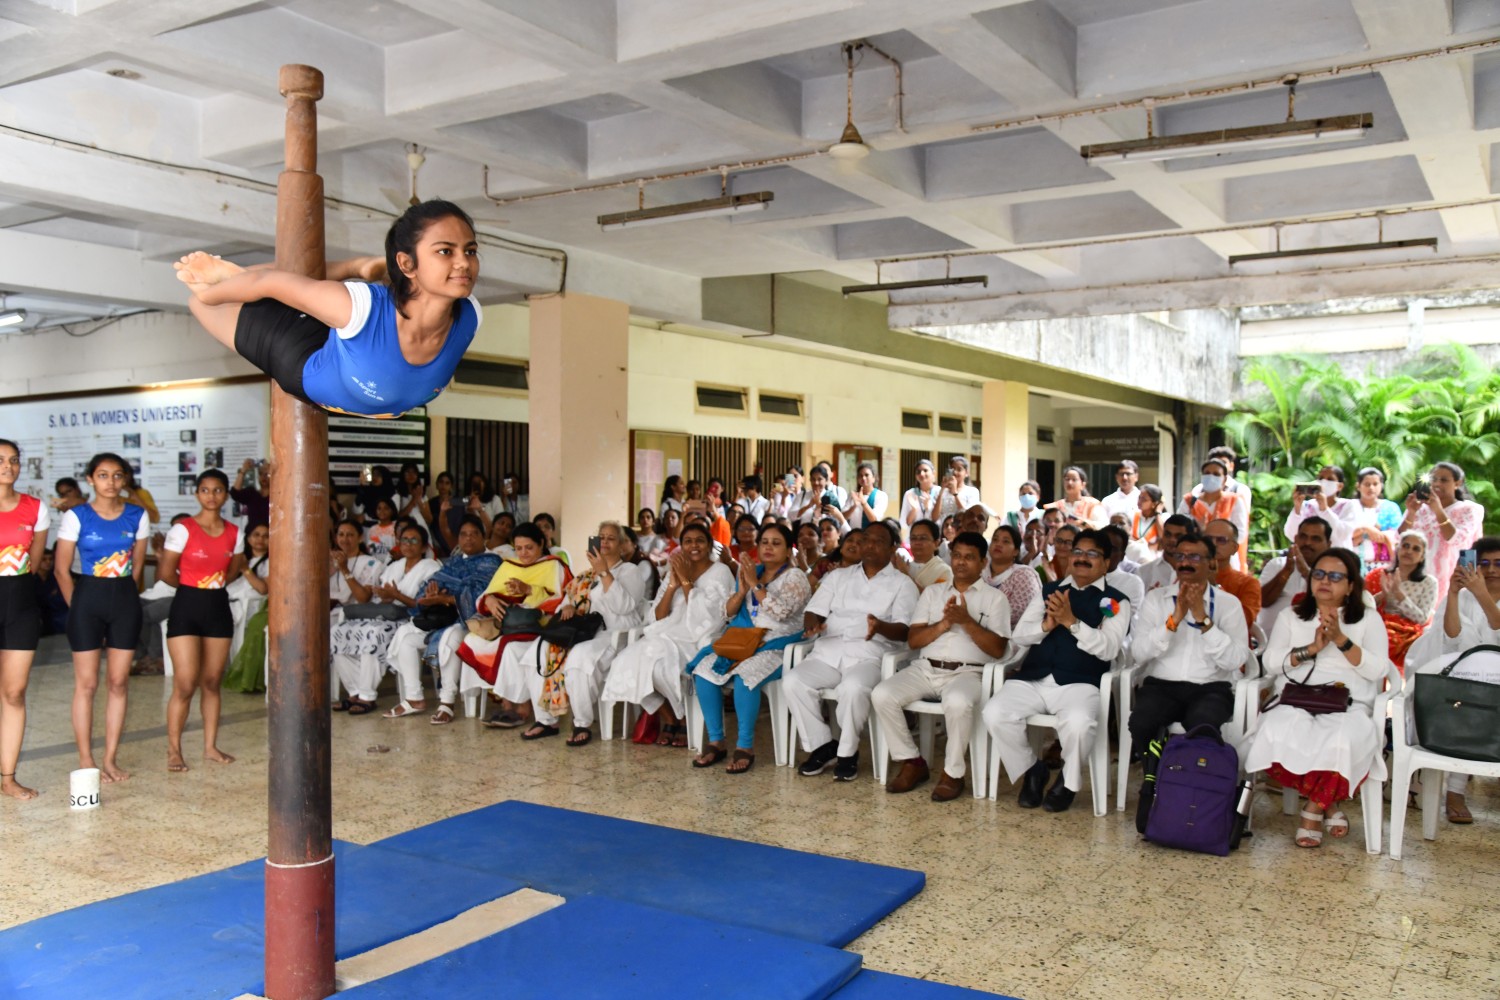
x,y
772,405
913,420
718,397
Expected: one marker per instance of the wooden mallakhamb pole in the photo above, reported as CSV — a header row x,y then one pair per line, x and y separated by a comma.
x,y
299,851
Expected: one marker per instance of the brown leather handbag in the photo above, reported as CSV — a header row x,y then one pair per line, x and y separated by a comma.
x,y
739,643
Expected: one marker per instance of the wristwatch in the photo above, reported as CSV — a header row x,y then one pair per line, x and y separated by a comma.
x,y
1346,645
1073,628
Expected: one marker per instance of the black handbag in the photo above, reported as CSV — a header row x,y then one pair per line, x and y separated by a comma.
x,y
1455,716
521,621
568,632
435,616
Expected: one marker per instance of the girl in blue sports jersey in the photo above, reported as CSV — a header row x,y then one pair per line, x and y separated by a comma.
x,y
346,345
104,605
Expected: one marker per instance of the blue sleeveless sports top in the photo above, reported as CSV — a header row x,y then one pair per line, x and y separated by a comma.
x,y
106,548
365,374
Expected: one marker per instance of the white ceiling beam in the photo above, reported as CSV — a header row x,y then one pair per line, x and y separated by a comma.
x,y
94,273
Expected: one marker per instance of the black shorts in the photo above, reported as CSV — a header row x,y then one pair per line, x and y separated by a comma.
x,y
278,340
20,618
105,613
200,612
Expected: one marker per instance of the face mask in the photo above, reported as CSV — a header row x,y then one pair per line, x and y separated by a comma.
x,y
1330,486
1212,484
1028,501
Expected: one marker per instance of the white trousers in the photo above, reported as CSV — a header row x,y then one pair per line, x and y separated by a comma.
x,y
360,675
851,683
1076,707
959,692
649,673
405,654
516,668
583,675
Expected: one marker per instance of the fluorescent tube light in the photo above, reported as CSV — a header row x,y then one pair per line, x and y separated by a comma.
x,y
1231,140
755,201
893,286
1347,253
12,317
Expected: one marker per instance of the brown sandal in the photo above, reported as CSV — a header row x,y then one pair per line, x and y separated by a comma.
x,y
710,756
740,757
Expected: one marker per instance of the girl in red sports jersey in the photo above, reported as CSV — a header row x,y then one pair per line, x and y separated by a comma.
x,y
197,560
23,541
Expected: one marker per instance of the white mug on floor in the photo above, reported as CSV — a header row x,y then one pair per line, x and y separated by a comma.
x,y
83,788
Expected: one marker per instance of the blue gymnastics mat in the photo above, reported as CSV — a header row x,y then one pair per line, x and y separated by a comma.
x,y
594,948
872,985
828,901
204,937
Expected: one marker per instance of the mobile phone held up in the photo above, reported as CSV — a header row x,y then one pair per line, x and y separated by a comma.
x,y
1468,559
594,542
1309,490
1423,490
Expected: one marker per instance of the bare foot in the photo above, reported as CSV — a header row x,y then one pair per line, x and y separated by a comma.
x,y
175,763
217,756
112,773
371,269
16,790
199,268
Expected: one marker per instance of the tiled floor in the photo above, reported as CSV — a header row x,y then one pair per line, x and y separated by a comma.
x,y
1024,903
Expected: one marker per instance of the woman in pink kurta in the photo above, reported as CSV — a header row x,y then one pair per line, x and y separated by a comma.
x,y
1448,519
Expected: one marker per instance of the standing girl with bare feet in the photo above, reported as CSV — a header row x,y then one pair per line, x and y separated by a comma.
x,y
353,346
197,560
104,610
23,542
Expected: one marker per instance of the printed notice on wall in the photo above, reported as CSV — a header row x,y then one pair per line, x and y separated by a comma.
x,y
167,435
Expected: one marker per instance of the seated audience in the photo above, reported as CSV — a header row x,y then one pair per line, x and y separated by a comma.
x,y
448,599
1285,576
501,529
770,594
689,612
1405,595
856,617
1077,507
1145,525
1190,639
443,513
359,645
1059,565
549,528
1222,537
925,567
1122,579
1213,500
380,534
958,626
1326,637
1007,572
1073,635
1028,506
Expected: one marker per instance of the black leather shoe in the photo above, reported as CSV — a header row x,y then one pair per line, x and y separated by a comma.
x,y
817,762
1033,783
1059,797
847,769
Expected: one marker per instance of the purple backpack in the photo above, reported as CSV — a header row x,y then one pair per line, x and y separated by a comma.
x,y
1197,794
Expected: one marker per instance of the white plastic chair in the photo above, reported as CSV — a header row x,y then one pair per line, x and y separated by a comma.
x,y
1408,758
928,712
1372,791
1247,689
1098,759
628,710
781,716
889,664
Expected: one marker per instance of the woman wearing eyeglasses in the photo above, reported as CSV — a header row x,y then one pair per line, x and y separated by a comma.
x,y
1325,637
359,644
1405,594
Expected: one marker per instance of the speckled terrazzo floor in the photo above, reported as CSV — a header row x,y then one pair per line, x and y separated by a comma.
x,y
1024,903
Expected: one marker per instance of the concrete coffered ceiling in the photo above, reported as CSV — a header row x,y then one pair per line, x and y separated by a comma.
x,y
134,130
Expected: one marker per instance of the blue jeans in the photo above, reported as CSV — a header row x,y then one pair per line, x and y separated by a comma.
x,y
746,708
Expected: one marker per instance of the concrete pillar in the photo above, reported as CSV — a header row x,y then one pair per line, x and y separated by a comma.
x,y
580,436
1006,443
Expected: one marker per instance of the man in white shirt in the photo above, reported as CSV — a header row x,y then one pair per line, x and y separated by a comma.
x,y
1163,572
1283,577
859,614
958,627
1075,631
1127,499
1127,583
753,503
925,567
1191,639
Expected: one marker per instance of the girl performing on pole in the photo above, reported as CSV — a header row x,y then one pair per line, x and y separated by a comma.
x,y
351,344
104,609
23,542
197,559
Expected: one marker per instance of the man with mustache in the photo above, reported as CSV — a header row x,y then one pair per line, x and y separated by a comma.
x,y
1191,641
1074,632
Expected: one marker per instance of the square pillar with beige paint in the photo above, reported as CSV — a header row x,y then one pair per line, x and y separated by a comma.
x,y
580,437
1006,443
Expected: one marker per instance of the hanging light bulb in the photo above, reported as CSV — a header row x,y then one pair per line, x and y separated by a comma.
x,y
851,145
414,161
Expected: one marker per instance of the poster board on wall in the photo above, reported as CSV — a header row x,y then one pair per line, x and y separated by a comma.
x,y
168,435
